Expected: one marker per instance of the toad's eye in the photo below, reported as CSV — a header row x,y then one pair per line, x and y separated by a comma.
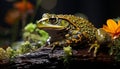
x,y
53,20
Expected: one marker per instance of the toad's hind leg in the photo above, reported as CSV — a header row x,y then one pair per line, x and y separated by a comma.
x,y
95,46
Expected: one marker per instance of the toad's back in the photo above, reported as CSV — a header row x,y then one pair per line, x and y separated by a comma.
x,y
85,26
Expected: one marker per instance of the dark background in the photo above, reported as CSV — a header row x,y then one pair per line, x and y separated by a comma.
x,y
97,11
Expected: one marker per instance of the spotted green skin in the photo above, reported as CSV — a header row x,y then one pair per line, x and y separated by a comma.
x,y
84,26
77,30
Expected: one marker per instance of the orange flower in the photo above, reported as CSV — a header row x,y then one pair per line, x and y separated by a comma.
x,y
113,28
12,16
23,6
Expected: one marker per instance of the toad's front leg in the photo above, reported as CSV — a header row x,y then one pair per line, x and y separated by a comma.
x,y
71,38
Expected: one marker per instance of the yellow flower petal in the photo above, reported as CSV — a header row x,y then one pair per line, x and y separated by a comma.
x,y
112,25
106,28
118,31
112,28
118,23
118,27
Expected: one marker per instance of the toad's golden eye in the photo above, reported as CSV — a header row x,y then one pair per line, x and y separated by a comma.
x,y
53,20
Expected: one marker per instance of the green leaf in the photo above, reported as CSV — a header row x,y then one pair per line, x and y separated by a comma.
x,y
30,27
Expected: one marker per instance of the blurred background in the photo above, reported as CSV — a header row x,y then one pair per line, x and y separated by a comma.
x,y
15,14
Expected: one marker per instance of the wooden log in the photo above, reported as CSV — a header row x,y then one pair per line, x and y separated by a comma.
x,y
45,59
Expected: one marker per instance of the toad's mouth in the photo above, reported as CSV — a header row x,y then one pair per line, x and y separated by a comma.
x,y
50,26
45,25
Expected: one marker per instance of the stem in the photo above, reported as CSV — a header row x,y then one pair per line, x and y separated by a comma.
x,y
36,9
14,32
24,15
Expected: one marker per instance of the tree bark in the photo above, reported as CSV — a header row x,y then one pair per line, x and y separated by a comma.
x,y
45,59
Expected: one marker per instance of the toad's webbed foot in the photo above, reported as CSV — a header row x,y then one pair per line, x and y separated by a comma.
x,y
95,46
